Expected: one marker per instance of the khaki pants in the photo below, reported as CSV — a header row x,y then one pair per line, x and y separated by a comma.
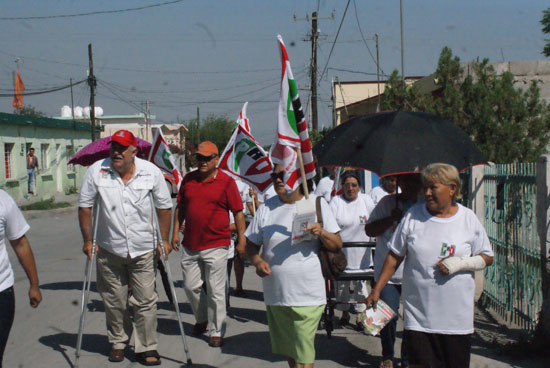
x,y
209,266
114,274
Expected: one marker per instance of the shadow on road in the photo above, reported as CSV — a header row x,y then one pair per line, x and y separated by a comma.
x,y
67,285
92,343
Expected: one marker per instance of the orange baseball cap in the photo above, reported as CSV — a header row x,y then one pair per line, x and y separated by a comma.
x,y
207,149
124,138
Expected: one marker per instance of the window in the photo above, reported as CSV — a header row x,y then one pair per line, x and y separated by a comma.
x,y
8,159
44,148
70,154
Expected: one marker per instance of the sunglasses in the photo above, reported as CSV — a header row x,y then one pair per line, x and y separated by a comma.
x,y
202,158
280,175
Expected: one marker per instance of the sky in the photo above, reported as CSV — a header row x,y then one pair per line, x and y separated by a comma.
x,y
218,54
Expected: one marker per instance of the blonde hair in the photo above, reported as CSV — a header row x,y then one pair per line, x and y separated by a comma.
x,y
445,174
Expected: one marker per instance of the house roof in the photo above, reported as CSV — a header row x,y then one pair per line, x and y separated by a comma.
x,y
44,122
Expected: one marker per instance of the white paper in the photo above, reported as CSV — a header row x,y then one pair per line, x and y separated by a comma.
x,y
374,321
305,217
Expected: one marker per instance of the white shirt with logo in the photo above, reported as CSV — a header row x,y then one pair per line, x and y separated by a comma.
x,y
125,225
296,278
377,193
434,302
352,217
12,226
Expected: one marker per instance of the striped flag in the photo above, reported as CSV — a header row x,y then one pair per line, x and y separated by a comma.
x,y
161,156
291,129
243,120
337,188
19,89
243,158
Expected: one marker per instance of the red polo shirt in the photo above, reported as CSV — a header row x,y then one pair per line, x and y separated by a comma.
x,y
206,205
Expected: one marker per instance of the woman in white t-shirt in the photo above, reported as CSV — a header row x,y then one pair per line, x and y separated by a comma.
x,y
442,244
352,209
293,284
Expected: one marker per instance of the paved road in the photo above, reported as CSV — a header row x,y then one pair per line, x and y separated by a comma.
x,y
46,337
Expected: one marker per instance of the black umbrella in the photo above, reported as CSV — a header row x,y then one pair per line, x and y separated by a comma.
x,y
397,143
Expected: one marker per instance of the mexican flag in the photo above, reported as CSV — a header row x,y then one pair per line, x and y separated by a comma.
x,y
243,158
337,188
161,156
243,120
291,129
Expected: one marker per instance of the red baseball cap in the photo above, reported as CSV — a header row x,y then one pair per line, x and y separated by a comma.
x,y
124,138
207,149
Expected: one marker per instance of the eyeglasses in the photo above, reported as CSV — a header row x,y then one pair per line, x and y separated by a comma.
x,y
202,158
350,185
280,175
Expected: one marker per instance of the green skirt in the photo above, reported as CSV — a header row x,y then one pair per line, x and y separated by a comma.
x,y
292,331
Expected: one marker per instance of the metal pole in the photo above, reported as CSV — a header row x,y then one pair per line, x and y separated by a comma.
x,y
314,123
401,25
72,99
377,71
92,83
170,280
86,288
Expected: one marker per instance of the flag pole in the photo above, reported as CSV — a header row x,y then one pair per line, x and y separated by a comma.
x,y
303,173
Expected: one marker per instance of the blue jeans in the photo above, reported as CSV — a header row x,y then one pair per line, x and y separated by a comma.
x,y
391,294
31,177
7,311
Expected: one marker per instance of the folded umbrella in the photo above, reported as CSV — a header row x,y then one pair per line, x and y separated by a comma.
x,y
397,143
99,149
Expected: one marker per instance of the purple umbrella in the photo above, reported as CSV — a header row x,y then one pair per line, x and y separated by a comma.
x,y
100,149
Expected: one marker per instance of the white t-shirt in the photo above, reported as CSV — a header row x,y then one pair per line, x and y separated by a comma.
x,y
12,226
269,193
231,249
433,302
325,188
352,217
382,210
125,215
377,193
296,278
243,192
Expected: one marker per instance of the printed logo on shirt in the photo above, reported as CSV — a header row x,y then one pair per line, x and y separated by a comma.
x,y
362,220
104,173
447,250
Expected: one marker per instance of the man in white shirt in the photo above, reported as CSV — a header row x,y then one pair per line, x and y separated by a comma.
x,y
126,188
324,188
388,185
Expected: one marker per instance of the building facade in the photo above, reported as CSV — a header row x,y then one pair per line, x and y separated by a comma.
x,y
54,141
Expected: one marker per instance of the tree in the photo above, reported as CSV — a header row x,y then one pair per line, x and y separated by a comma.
x,y
29,110
216,129
507,123
545,21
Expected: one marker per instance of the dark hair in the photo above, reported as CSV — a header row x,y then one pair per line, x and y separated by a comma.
x,y
309,186
350,174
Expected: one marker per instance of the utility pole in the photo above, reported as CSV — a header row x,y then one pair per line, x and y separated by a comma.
x,y
402,51
72,99
377,71
313,75
92,84
198,125
147,121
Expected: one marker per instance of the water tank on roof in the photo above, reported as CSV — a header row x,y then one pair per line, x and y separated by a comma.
x,y
66,112
86,111
78,112
98,111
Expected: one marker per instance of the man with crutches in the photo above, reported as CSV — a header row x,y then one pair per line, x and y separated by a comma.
x,y
122,185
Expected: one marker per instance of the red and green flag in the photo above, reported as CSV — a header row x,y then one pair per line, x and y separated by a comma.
x,y
161,156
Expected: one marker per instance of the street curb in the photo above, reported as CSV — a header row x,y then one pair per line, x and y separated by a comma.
x,y
34,214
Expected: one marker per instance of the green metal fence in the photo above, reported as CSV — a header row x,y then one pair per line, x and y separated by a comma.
x,y
512,285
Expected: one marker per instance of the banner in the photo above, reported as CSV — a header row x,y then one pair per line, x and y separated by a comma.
x,y
242,120
245,159
19,89
291,129
161,156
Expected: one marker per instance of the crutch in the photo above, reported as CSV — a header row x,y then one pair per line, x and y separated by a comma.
x,y
156,229
86,288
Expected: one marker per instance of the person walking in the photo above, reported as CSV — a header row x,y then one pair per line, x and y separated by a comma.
x,y
32,171
205,198
381,224
127,190
13,228
388,185
441,244
293,283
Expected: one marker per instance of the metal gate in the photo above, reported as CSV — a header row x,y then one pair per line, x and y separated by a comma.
x,y
512,285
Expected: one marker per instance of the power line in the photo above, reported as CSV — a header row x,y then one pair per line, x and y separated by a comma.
x,y
356,71
41,92
334,43
92,13
364,40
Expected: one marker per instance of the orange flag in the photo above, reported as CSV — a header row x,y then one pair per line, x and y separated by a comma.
x,y
19,89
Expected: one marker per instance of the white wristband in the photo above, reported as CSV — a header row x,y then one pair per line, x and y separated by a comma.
x,y
455,264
